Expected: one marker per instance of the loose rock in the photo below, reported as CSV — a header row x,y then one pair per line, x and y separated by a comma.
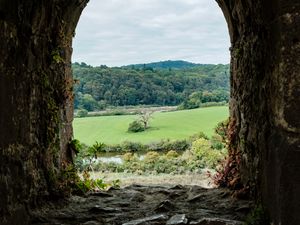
x,y
215,221
178,219
155,219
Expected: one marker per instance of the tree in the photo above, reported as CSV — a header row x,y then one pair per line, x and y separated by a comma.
x,y
144,118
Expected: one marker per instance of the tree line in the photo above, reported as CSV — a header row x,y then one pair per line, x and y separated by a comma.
x,y
99,87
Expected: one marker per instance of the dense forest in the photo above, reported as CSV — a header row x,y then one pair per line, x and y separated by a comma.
x,y
163,83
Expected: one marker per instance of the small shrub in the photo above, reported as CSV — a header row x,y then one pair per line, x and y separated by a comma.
x,y
151,157
203,151
96,149
167,145
172,154
136,126
87,184
82,113
178,145
198,136
127,157
75,146
129,146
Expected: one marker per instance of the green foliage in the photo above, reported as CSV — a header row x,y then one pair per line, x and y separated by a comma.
x,y
75,145
172,154
222,130
82,113
87,184
96,149
128,146
64,182
102,86
205,99
127,157
136,126
167,145
154,163
151,157
56,56
203,151
201,155
199,135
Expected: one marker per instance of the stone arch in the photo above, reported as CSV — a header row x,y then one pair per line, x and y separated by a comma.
x,y
36,95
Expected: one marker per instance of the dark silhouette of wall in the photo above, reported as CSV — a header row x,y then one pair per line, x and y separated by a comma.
x,y
36,100
265,104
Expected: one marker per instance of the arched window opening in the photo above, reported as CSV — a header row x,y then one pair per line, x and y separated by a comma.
x,y
153,86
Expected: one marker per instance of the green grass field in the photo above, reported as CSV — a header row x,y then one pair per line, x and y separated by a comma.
x,y
172,125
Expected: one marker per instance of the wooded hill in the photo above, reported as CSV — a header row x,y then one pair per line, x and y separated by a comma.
x,y
162,83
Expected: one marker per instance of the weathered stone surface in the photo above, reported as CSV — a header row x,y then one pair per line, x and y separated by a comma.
x,y
165,206
91,223
36,100
99,209
119,210
215,221
155,219
264,108
179,219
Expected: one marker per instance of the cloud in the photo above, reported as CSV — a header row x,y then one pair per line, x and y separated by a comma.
x,y
118,32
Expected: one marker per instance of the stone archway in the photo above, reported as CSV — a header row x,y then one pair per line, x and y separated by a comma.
x,y
36,96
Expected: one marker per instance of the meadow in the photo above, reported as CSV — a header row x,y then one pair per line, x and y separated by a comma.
x,y
176,125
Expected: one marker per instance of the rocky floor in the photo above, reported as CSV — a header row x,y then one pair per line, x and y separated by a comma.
x,y
148,205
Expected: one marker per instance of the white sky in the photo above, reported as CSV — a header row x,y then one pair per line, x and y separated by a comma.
x,y
122,32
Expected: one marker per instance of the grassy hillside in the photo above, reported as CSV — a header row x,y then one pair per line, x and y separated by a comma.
x,y
172,125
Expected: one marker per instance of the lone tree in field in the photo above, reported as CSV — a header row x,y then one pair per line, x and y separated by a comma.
x,y
144,118
142,123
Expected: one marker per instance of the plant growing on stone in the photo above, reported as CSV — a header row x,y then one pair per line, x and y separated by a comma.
x,y
87,184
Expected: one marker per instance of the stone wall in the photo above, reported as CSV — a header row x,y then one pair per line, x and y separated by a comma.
x,y
36,100
265,100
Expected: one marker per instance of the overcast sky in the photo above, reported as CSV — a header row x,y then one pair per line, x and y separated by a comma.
x,y
122,32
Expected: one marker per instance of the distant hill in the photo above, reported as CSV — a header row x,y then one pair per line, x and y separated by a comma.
x,y
165,83
177,64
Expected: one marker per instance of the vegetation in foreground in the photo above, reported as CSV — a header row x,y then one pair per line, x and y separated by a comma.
x,y
200,152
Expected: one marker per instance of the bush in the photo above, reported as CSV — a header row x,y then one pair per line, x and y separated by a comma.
x,y
129,146
127,157
167,145
151,156
198,136
203,151
172,154
136,126
82,113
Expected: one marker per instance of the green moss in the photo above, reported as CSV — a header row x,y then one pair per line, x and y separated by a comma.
x,y
75,145
237,53
56,57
